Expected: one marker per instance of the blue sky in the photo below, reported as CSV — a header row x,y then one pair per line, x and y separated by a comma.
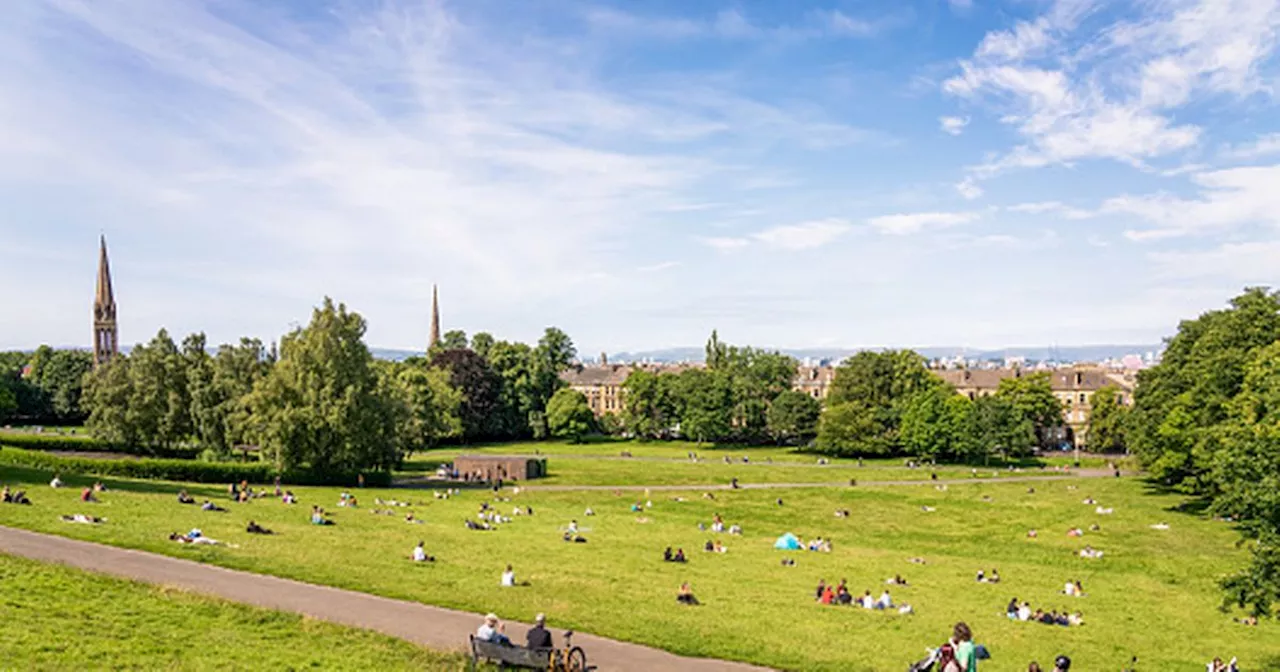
x,y
792,173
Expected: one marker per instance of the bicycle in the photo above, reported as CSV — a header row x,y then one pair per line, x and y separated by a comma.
x,y
570,658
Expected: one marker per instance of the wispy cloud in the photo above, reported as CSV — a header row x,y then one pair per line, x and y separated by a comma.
x,y
1072,97
1229,199
724,243
1050,207
803,236
1265,145
903,224
953,125
734,24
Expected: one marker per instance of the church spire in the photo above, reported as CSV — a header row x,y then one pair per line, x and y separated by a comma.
x,y
106,342
435,318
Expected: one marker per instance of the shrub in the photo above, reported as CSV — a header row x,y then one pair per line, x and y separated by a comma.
x,y
85,444
177,470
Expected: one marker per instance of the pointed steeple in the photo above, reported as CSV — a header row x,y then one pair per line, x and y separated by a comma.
x,y
435,318
106,342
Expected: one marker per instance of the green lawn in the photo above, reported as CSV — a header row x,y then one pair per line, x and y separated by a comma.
x,y
1152,595
57,618
599,463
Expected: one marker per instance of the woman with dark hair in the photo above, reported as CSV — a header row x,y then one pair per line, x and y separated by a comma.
x,y
962,641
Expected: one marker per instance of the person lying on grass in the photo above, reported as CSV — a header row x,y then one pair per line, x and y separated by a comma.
x,y
194,537
685,595
473,525
255,528
210,506
19,497
420,553
184,498
81,518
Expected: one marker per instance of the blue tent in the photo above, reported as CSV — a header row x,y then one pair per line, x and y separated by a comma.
x,y
787,542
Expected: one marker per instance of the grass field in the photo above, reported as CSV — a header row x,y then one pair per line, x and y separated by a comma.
x,y
1152,595
56,618
667,463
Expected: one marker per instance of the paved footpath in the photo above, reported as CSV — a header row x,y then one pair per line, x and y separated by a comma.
x,y
433,627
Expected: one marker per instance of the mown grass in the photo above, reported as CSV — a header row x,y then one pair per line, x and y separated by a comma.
x,y
667,463
1153,595
57,618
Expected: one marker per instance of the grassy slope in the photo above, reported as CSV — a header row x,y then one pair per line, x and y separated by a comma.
x,y
1153,595
61,618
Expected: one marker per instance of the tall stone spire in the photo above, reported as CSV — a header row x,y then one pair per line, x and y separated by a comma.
x,y
106,342
435,318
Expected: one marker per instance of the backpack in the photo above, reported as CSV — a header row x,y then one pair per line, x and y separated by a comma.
x,y
947,659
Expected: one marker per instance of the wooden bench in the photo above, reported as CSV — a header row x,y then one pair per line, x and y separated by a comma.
x,y
509,655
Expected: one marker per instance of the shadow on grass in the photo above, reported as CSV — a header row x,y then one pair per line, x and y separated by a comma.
x,y
76,481
1192,505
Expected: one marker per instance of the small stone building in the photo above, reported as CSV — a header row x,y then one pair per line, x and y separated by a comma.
x,y
494,467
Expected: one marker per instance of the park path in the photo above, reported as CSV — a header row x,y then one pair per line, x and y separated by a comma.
x,y
435,627
1051,476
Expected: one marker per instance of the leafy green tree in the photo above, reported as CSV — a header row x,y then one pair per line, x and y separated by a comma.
x,y
322,406
793,416
106,395
717,353
1256,588
455,339
939,424
8,403
1107,419
850,428
426,404
481,390
1179,404
1032,395
145,403
220,388
1001,428
569,416
756,378
705,406
648,409
877,385
61,379
481,343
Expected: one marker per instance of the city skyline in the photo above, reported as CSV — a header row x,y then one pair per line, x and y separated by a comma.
x,y
795,175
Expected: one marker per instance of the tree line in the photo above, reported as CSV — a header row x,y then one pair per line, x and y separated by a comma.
x,y
1206,421
320,401
43,387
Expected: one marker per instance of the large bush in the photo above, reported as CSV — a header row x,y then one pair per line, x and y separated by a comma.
x,y
86,444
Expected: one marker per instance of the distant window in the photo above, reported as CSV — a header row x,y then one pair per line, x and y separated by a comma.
x,y
1083,398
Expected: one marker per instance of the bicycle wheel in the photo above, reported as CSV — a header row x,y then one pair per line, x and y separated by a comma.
x,y
577,660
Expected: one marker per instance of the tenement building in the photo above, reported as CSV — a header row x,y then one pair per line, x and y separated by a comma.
x,y
1074,387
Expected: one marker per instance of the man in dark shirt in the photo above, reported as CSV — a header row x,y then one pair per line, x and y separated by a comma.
x,y
538,636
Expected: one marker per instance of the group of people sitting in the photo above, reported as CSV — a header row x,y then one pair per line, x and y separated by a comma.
x,y
839,594
14,497
492,630
820,545
1072,588
678,556
1023,612
1218,666
714,546
348,500
993,577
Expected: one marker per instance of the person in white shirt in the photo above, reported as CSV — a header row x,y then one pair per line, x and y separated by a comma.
x,y
1069,588
509,577
1024,612
885,602
492,631
56,482
420,554
573,527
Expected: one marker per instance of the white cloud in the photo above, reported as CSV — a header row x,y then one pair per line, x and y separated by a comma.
x,y
961,5
1234,264
1265,145
724,243
1054,207
1075,88
904,224
1229,199
733,24
662,266
968,188
953,125
803,236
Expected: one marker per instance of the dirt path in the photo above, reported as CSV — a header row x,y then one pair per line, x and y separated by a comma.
x,y
1051,476
429,626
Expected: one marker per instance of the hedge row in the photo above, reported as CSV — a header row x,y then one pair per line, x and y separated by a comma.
x,y
87,444
177,470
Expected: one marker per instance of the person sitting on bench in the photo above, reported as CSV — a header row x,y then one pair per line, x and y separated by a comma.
x,y
255,528
538,636
492,631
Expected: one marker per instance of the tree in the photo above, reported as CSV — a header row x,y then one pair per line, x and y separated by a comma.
x,y
481,390
1107,418
453,340
1032,396
321,406
793,416
568,415
648,409
8,403
705,405
1257,586
426,405
716,352
61,378
219,390
481,343
876,385
1001,428
520,402
937,423
145,402
1179,403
